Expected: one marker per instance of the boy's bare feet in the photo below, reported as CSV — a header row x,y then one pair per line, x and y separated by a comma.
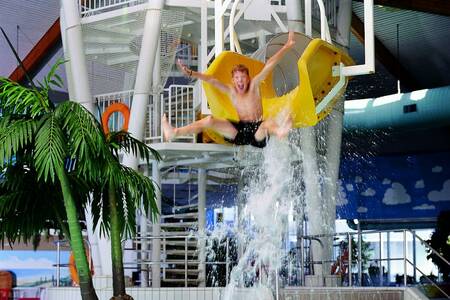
x,y
168,130
285,127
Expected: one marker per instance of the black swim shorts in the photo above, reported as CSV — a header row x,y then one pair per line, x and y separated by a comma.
x,y
246,134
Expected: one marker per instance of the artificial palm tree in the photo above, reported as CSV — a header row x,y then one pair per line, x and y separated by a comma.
x,y
52,135
83,161
120,192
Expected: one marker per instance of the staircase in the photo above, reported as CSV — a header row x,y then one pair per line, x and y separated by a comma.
x,y
179,249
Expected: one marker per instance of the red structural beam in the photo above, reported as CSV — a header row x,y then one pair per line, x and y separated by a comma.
x,y
42,49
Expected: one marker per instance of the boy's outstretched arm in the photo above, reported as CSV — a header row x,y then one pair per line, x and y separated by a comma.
x,y
273,61
207,78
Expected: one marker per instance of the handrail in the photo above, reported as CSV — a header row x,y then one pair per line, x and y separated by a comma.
x,y
431,281
425,243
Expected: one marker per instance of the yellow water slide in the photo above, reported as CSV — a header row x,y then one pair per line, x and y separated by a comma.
x,y
302,83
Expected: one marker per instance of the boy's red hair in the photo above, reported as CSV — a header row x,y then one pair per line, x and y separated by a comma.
x,y
240,68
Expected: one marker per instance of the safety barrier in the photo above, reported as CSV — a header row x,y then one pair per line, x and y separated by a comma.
x,y
176,101
93,7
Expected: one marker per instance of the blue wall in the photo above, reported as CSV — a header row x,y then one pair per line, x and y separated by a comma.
x,y
394,187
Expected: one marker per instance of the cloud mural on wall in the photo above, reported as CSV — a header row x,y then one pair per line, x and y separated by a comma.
x,y
437,169
424,206
358,179
362,210
349,187
14,262
396,194
369,192
386,181
341,198
420,184
442,195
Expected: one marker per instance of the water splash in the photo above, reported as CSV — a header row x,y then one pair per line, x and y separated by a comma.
x,y
266,200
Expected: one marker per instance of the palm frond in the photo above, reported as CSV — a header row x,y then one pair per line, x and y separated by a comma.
x,y
14,136
85,137
122,140
22,100
27,207
50,148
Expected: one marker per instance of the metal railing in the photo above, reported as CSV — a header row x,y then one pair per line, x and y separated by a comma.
x,y
178,104
59,265
142,261
93,7
190,242
177,101
348,261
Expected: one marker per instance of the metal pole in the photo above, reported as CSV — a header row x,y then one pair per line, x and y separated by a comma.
x,y
388,254
276,284
359,255
144,241
156,230
227,260
58,261
202,224
349,237
219,30
302,261
381,262
186,261
414,254
405,280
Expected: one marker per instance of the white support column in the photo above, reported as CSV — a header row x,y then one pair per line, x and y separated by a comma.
x,y
312,192
74,42
204,51
156,230
202,225
344,20
261,39
332,162
143,221
308,18
66,54
142,89
294,15
156,94
79,91
218,22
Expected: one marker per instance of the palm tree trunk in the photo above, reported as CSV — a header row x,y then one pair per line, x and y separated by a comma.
x,y
116,248
76,239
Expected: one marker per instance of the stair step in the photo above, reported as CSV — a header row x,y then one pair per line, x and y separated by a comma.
x,y
181,234
181,262
176,280
180,224
192,205
182,215
181,252
182,271
190,243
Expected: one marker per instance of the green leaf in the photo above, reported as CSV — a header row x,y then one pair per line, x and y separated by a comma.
x,y
50,148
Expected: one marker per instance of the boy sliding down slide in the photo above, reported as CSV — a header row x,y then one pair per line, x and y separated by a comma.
x,y
245,95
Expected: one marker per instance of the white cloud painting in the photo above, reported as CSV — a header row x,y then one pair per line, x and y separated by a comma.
x,y
420,184
396,194
369,192
441,195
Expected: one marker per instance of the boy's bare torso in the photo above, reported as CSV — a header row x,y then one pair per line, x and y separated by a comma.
x,y
248,105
